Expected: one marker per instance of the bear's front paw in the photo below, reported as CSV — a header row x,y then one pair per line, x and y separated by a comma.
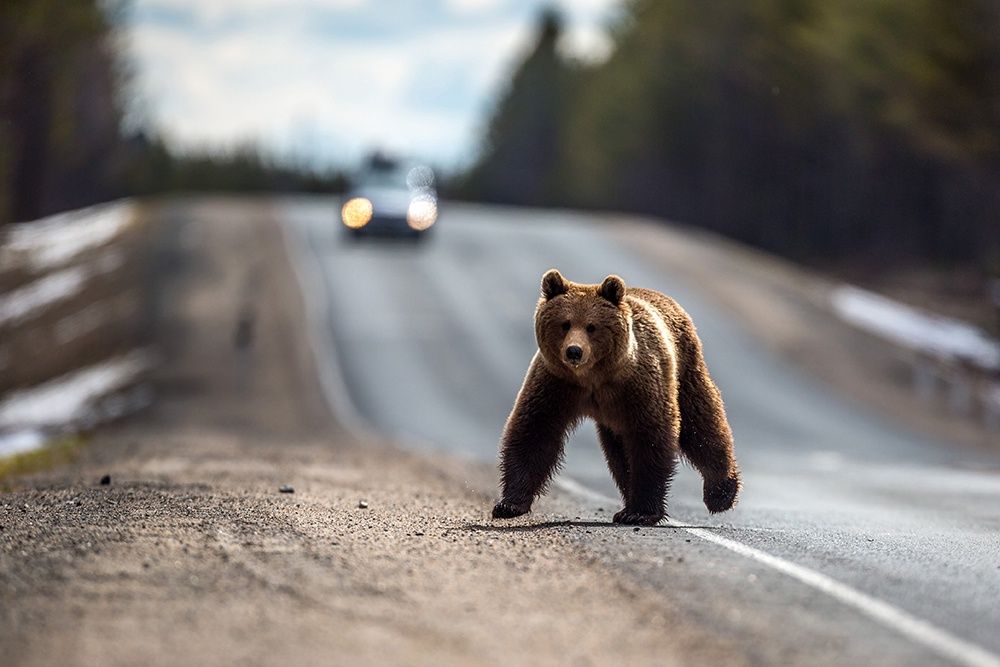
x,y
721,495
628,517
506,509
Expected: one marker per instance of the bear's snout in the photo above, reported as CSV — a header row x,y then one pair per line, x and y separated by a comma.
x,y
576,350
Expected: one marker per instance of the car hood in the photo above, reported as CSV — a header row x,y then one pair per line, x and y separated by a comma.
x,y
386,201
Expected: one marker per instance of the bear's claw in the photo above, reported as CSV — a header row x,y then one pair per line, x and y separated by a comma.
x,y
721,495
636,518
506,509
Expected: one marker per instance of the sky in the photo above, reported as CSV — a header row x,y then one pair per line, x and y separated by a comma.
x,y
325,81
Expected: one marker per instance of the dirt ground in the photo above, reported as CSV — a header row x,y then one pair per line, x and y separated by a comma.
x,y
191,555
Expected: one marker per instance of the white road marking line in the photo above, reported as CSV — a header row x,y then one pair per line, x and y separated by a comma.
x,y
338,398
918,630
331,378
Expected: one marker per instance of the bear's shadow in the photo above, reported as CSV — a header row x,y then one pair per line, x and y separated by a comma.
x,y
543,525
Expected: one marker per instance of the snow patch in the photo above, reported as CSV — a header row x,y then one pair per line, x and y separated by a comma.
x,y
70,398
52,241
915,329
21,441
24,302
20,303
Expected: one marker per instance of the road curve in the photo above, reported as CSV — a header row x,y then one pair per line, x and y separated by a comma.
x,y
432,342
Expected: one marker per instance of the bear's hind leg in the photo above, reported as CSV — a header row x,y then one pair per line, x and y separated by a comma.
x,y
614,454
706,439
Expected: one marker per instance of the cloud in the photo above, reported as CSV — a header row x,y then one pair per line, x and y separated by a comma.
x,y
207,13
326,79
587,42
473,6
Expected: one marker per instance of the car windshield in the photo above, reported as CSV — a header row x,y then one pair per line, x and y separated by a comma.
x,y
384,178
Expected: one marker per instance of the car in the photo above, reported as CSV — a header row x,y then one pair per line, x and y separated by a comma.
x,y
390,197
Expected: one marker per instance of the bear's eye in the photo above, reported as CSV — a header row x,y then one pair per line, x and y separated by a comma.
x,y
591,328
565,326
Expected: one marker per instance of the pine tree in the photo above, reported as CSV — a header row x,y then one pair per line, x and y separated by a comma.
x,y
519,161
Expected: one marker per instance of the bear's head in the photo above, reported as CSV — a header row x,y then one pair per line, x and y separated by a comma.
x,y
583,331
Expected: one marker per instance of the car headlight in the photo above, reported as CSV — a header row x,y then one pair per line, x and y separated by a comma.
x,y
357,212
422,213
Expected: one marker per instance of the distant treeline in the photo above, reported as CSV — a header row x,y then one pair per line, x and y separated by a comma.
x,y
817,129
62,93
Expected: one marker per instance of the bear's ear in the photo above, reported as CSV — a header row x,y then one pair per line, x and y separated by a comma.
x,y
553,284
612,289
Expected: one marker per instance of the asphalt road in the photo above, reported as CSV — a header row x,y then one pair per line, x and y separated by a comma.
x,y
851,532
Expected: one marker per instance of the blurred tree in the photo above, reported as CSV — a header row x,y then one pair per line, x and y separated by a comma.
x,y
519,161
862,128
59,114
61,143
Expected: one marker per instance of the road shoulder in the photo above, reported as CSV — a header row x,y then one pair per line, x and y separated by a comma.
x,y
787,309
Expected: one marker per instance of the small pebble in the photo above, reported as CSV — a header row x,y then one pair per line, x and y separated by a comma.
x,y
286,488
106,480
636,529
363,504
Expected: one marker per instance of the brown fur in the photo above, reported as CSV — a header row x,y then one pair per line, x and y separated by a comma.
x,y
641,376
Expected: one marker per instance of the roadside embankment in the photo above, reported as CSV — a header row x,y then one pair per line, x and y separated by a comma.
x,y
74,313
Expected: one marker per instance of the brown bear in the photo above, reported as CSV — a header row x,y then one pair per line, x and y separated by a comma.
x,y
630,359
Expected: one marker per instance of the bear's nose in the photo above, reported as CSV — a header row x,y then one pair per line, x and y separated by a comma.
x,y
574,353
